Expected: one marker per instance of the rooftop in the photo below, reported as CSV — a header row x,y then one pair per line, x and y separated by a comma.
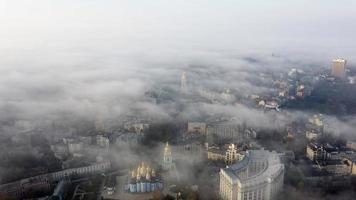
x,y
270,162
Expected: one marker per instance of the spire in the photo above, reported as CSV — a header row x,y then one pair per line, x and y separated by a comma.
x,y
167,149
167,157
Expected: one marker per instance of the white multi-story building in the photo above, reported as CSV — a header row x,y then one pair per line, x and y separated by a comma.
x,y
232,154
258,176
338,68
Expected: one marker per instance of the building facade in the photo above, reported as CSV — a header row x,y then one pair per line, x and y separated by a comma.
x,y
258,176
229,153
338,68
218,133
232,155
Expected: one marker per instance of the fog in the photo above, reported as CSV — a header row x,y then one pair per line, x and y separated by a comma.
x,y
68,61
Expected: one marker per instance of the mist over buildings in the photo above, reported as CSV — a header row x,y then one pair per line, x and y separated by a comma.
x,y
74,64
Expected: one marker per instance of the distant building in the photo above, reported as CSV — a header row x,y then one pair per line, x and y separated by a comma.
x,y
259,175
167,158
60,150
102,141
137,127
318,152
131,139
287,156
196,127
314,127
268,104
229,154
232,155
183,84
351,144
300,91
42,182
338,68
75,147
315,152
215,153
351,161
335,167
222,132
311,135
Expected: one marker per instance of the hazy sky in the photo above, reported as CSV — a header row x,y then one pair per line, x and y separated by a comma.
x,y
303,25
86,56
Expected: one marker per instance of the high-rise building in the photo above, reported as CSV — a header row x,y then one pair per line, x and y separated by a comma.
x,y
167,158
183,84
338,68
259,175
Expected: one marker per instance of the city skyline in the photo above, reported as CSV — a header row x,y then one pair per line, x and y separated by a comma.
x,y
185,100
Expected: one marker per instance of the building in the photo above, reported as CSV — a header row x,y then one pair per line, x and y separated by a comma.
x,y
196,127
317,152
259,175
351,144
338,68
287,156
351,161
42,182
183,84
226,132
102,141
75,148
336,167
143,179
314,127
300,91
215,153
60,150
131,139
228,153
136,127
232,155
167,158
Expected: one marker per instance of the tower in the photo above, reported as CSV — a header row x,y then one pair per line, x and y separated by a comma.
x,y
338,68
231,154
167,157
183,84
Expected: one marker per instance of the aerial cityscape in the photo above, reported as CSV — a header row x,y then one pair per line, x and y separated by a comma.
x,y
177,100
